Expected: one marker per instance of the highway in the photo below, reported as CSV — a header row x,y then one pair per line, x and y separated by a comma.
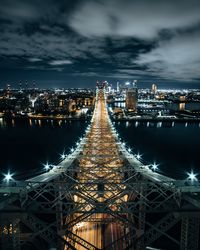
x,y
98,163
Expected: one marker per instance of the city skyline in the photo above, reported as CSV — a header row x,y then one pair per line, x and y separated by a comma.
x,y
74,43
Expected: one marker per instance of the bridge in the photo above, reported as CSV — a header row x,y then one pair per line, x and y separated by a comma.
x,y
100,196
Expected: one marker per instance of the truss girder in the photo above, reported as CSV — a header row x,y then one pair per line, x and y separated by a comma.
x,y
190,230
101,191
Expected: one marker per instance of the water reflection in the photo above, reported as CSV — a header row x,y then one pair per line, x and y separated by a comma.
x,y
13,122
39,122
2,122
33,123
159,125
36,122
26,144
173,145
30,123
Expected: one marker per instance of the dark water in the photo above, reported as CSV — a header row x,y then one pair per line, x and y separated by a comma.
x,y
25,146
176,149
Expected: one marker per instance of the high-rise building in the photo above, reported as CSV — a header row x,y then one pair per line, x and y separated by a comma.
x,y
20,86
117,86
131,97
154,88
26,85
8,91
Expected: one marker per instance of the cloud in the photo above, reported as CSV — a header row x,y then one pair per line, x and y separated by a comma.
x,y
34,59
60,62
16,42
25,11
43,68
178,58
119,38
139,18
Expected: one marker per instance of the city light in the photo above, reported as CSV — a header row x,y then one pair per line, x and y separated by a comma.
x,y
72,150
47,166
154,166
192,176
138,156
62,156
8,177
129,150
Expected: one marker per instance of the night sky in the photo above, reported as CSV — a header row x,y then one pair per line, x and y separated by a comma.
x,y
63,43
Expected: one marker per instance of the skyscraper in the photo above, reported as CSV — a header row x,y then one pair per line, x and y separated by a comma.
x,y
117,87
154,88
131,97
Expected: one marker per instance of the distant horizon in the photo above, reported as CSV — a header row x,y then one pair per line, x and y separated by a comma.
x,y
62,84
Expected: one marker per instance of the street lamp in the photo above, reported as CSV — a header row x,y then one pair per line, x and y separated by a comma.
x,y
47,166
192,176
154,166
8,177
62,156
138,156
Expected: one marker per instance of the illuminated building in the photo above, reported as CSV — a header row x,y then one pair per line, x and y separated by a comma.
x,y
117,87
181,106
131,97
8,91
182,98
61,103
154,88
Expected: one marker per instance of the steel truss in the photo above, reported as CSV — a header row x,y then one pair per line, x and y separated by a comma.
x,y
100,192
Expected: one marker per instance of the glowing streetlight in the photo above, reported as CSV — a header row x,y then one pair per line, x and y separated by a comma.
x,y
47,166
72,150
8,177
138,156
192,176
62,156
154,166
129,150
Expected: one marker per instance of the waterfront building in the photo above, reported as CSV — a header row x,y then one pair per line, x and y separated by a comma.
x,y
131,97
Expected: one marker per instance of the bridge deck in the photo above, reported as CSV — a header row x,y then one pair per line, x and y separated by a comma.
x,y
100,163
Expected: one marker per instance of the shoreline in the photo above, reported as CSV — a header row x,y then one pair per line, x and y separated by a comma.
x,y
196,120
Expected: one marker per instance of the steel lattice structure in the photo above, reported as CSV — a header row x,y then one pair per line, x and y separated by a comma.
x,y
100,197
